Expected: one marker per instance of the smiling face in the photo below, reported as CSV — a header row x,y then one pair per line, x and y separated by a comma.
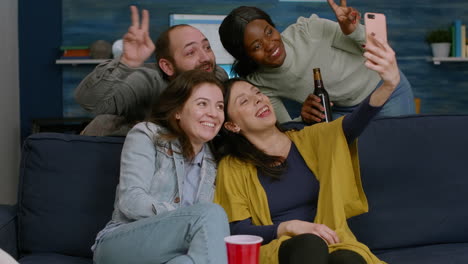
x,y
202,115
249,110
190,50
263,43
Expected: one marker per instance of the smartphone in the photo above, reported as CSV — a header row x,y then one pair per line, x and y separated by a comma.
x,y
375,24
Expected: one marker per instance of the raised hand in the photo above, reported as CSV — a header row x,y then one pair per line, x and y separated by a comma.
x,y
137,44
348,17
312,109
297,227
381,58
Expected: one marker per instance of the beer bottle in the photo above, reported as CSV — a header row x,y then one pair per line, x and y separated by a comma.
x,y
322,93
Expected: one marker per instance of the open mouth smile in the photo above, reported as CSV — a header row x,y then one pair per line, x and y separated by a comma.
x,y
208,124
264,111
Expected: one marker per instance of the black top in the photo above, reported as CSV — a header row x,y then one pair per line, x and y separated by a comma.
x,y
295,195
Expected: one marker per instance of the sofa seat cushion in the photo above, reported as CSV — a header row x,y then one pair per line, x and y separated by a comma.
x,y
456,253
66,192
53,259
414,174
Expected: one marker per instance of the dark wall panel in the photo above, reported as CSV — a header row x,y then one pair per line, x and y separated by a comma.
x,y
40,24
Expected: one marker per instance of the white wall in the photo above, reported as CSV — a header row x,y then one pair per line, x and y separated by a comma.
x,y
9,101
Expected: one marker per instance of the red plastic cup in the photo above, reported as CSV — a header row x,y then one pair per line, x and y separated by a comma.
x,y
243,249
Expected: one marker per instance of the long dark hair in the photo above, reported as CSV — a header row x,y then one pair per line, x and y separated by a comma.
x,y
231,33
173,100
238,146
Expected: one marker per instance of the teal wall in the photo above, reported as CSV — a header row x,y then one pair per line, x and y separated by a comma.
x,y
442,88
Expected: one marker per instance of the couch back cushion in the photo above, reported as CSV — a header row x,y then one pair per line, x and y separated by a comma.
x,y
66,192
415,174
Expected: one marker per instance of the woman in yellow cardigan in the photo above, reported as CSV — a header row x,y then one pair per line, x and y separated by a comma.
x,y
297,188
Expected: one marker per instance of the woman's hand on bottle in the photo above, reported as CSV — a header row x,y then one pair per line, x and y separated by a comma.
x,y
348,17
297,227
381,58
312,109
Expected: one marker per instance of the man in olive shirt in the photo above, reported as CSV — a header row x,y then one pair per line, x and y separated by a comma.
x,y
120,91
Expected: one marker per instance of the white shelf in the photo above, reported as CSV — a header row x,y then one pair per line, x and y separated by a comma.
x,y
75,62
438,60
79,61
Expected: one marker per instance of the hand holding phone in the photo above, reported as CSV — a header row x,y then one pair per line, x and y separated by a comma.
x,y
376,25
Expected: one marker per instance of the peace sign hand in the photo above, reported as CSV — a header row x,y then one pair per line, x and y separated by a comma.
x,y
137,44
348,17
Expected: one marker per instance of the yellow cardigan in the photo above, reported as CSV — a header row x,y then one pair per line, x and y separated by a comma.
x,y
336,166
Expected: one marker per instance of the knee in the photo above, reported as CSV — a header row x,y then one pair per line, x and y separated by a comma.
x,y
214,219
305,244
213,212
312,242
346,256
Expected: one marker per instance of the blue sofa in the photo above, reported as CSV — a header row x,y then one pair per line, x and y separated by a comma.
x,y
413,172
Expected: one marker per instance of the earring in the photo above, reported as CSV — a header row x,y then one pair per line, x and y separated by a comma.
x,y
232,127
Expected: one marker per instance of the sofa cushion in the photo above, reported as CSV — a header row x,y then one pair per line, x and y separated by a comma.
x,y
66,192
434,254
8,237
415,177
48,258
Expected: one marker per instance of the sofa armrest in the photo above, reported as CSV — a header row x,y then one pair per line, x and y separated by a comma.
x,y
8,223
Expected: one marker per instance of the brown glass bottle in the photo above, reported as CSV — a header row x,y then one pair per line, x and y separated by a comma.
x,y
323,94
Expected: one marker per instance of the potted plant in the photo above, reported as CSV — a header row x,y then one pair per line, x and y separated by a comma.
x,y
440,41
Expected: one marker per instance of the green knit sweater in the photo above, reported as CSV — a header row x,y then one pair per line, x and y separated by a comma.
x,y
318,43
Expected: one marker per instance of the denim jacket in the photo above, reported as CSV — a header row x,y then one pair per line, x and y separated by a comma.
x,y
151,176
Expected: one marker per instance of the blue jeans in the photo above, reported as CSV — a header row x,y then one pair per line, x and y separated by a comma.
x,y
188,235
401,102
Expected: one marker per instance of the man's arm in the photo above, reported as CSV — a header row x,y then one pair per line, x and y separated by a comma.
x,y
114,87
121,85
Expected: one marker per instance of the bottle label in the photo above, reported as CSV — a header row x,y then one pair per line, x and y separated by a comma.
x,y
323,101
